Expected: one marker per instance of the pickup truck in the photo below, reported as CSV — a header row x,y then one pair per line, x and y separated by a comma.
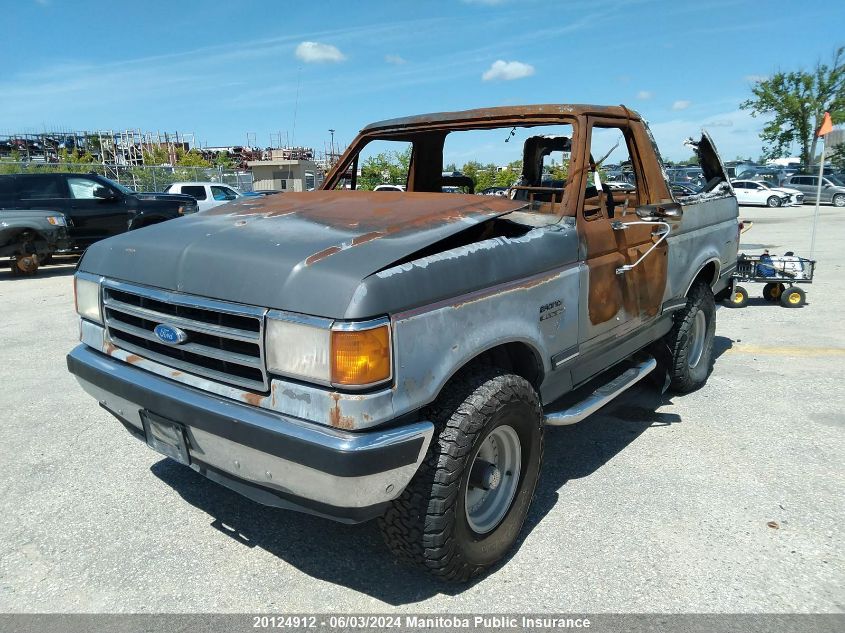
x,y
30,237
207,194
399,355
96,206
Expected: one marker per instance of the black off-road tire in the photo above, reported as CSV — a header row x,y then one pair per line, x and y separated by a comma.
x,y
427,525
773,291
684,376
738,298
793,297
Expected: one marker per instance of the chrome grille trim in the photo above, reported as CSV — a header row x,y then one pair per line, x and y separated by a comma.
x,y
230,350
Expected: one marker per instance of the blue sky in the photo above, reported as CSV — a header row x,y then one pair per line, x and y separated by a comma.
x,y
222,69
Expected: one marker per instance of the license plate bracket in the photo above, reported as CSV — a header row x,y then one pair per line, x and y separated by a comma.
x,y
166,436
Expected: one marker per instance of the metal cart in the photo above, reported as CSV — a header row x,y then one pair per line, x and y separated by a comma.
x,y
781,274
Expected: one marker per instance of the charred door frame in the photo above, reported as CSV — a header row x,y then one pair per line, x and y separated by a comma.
x,y
613,306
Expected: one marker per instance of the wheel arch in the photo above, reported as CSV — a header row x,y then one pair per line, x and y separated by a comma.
x,y
519,356
708,272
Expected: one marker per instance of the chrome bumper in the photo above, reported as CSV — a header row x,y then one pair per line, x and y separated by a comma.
x,y
273,459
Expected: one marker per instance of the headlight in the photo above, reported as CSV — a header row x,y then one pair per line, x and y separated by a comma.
x,y
346,354
298,350
57,220
86,296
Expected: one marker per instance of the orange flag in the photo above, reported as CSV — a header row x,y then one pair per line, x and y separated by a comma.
x,y
827,125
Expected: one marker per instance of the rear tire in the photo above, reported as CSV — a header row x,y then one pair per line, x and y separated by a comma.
x,y
773,201
793,297
443,522
690,340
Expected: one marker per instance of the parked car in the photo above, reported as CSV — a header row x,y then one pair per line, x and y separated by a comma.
x,y
356,355
96,206
207,194
493,191
761,193
833,189
679,189
29,237
389,188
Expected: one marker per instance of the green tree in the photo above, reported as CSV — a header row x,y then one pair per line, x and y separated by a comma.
x,y
509,175
190,158
385,168
837,156
798,101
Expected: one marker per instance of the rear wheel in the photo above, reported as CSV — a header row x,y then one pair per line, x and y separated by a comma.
x,y
738,298
690,340
773,291
464,508
773,201
793,297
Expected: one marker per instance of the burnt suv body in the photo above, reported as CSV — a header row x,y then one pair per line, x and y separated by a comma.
x,y
96,206
398,354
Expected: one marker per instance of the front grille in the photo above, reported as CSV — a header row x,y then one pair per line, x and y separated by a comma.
x,y
225,342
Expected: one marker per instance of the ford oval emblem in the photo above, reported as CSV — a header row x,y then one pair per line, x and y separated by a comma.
x,y
170,334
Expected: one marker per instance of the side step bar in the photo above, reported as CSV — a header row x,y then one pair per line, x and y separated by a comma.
x,y
602,395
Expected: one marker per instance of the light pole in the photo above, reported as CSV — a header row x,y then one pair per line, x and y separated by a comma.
x,y
331,131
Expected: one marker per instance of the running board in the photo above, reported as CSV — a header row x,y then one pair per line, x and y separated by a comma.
x,y
602,395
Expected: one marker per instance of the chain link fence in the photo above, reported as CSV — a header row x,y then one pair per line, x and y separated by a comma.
x,y
138,177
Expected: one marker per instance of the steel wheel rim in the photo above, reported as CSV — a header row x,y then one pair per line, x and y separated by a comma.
x,y
697,334
485,509
794,298
738,297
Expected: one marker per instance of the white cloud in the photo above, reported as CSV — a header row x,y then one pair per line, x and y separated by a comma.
x,y
395,59
681,104
317,52
755,78
644,94
501,70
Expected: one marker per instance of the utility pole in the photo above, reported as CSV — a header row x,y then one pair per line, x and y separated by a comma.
x,y
331,131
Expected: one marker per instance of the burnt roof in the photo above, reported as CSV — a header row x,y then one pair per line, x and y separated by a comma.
x,y
503,113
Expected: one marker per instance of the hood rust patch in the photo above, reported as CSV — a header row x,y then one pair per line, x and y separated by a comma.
x,y
374,211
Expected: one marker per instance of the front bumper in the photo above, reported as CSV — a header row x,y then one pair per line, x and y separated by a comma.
x,y
270,458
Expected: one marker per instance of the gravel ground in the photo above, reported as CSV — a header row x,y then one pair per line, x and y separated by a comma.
x,y
652,505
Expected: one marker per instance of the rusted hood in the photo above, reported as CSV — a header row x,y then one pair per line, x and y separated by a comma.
x,y
304,252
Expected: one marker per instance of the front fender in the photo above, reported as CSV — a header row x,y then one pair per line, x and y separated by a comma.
x,y
433,343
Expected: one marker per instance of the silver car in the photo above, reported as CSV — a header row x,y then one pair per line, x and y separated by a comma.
x,y
833,189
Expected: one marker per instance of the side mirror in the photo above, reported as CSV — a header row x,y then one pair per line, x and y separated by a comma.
x,y
665,211
104,193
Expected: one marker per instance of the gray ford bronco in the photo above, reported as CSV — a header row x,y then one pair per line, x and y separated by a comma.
x,y
398,354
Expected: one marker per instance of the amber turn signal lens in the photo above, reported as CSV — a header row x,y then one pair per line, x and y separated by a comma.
x,y
361,357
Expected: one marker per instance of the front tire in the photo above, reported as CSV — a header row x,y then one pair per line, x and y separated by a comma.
x,y
793,297
690,340
465,507
839,200
773,201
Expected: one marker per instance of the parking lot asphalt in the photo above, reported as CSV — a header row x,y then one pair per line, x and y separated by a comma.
x,y
654,504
